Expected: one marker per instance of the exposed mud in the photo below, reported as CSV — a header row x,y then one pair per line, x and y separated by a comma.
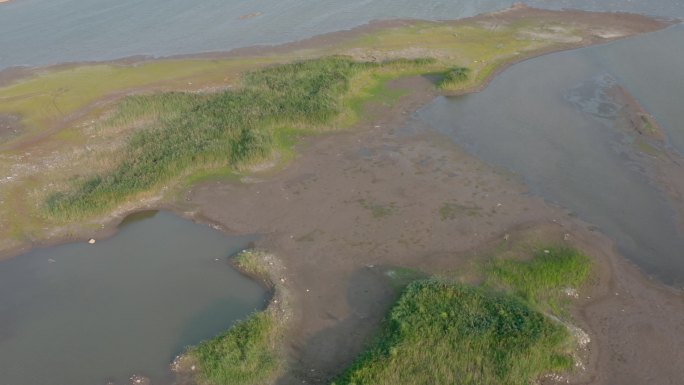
x,y
356,202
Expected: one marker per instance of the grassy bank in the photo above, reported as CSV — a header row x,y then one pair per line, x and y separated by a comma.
x,y
442,332
250,352
69,137
234,129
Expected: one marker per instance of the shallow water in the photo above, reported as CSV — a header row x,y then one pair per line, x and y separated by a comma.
x,y
82,314
43,32
550,121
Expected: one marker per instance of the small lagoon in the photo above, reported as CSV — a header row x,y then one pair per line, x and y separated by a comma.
x,y
83,314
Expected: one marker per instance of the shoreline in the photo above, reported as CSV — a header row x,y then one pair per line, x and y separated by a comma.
x,y
13,74
111,221
328,261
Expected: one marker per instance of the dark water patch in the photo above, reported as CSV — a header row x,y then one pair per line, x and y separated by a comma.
x,y
82,314
552,121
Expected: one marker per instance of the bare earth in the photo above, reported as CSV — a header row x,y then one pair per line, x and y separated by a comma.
x,y
356,202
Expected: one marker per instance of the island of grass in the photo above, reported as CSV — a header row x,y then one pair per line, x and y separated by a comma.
x,y
85,150
512,329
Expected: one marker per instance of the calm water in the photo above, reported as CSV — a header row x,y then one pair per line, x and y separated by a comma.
x,y
41,32
81,315
550,121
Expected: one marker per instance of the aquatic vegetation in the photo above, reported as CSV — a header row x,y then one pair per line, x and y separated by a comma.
x,y
441,332
229,129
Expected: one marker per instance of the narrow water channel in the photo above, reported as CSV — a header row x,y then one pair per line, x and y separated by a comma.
x,y
551,121
83,314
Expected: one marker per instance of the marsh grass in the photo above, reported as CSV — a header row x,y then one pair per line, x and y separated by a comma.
x,y
229,129
454,78
251,352
442,332
542,280
244,355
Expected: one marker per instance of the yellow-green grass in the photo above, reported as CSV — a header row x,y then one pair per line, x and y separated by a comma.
x,y
81,148
441,332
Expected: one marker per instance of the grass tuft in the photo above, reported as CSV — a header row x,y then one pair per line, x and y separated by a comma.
x,y
454,78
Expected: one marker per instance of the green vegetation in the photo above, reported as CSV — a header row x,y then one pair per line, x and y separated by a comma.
x,y
377,210
244,355
250,352
451,211
454,78
441,332
542,280
231,129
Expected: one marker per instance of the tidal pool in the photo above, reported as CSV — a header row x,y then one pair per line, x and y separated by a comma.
x,y
83,314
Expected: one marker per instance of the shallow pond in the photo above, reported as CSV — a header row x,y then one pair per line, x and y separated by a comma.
x,y
82,314
551,121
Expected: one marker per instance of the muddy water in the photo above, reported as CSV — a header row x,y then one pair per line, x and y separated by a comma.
x,y
553,121
82,314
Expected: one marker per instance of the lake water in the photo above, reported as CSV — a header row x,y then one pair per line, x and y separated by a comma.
x,y
548,120
42,32
82,314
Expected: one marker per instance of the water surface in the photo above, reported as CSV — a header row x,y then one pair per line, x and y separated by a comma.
x,y
82,314
42,32
550,121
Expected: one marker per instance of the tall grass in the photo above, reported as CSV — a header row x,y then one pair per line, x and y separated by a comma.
x,y
244,355
446,333
227,129
442,332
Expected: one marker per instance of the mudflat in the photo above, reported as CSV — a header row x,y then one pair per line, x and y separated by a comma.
x,y
383,195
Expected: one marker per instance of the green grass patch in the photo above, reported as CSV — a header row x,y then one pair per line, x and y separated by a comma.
x,y
233,129
244,355
454,78
543,279
442,332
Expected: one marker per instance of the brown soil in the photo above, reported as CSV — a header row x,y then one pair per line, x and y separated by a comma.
x,y
356,202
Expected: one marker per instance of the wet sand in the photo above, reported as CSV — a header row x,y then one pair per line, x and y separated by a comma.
x,y
372,197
